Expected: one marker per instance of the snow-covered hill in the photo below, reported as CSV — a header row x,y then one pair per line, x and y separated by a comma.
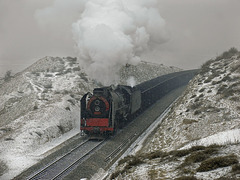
x,y
200,137
39,107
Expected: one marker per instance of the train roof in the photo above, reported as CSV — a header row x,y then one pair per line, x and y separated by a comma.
x,y
156,81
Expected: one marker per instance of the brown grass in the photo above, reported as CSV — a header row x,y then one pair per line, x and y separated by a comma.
x,y
217,162
186,178
3,168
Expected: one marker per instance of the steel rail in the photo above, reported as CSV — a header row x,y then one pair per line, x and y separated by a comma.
x,y
54,162
119,148
77,161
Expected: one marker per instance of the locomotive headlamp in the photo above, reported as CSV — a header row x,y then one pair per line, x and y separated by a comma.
x,y
97,108
97,102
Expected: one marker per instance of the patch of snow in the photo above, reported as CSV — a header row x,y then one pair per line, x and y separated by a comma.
x,y
221,138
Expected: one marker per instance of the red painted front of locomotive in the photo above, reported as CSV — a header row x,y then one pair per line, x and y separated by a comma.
x,y
98,116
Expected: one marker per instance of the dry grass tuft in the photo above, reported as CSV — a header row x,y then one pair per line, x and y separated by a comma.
x,y
217,162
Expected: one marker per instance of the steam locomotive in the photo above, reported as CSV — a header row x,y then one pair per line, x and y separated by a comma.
x,y
110,108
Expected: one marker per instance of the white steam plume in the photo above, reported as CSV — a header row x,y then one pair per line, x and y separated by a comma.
x,y
107,33
131,81
112,33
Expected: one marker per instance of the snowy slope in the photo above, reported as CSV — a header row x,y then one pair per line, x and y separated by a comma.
x,y
207,114
39,108
38,105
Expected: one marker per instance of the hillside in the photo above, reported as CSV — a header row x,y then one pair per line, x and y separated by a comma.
x,y
39,108
200,137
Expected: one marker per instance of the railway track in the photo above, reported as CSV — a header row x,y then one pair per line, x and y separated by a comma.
x,y
120,148
66,163
106,156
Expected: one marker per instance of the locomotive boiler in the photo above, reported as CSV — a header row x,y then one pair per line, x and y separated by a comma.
x,y
108,108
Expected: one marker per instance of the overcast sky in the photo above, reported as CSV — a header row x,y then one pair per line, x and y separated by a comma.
x,y
198,30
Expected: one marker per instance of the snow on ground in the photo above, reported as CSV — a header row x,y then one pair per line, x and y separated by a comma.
x,y
207,107
40,109
47,112
208,113
221,138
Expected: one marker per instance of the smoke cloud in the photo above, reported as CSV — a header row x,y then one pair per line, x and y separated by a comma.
x,y
112,33
199,30
131,81
107,33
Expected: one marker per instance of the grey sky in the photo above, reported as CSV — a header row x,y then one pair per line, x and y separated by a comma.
x,y
199,30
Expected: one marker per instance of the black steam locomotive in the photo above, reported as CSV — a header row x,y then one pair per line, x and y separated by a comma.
x,y
109,108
